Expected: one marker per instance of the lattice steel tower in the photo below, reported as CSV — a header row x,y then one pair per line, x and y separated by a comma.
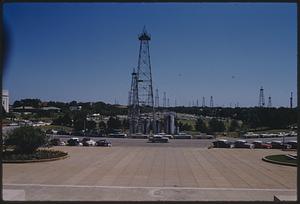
x,y
261,102
142,84
203,101
211,103
269,102
133,106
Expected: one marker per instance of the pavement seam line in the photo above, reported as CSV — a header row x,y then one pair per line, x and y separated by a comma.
x,y
147,187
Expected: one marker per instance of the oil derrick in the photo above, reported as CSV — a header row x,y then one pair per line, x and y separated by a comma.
x,y
165,100
142,90
291,100
269,102
261,102
203,101
211,103
168,102
133,110
156,98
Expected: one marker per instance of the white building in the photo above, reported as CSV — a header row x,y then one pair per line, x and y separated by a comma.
x,y
5,100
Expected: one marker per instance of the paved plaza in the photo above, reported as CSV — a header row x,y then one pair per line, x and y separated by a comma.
x,y
151,173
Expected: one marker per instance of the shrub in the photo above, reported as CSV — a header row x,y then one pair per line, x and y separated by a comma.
x,y
26,139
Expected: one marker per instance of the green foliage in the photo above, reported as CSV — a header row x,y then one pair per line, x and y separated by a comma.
x,y
36,103
39,154
201,126
113,123
234,125
26,139
64,120
184,126
216,126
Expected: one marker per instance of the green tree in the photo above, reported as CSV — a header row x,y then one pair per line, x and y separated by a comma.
x,y
113,123
26,139
216,126
200,125
234,125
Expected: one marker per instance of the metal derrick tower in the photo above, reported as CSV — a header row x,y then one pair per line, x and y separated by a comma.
x,y
261,102
142,89
269,102
134,110
211,103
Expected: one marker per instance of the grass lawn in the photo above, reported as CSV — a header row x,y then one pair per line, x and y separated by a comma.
x,y
282,158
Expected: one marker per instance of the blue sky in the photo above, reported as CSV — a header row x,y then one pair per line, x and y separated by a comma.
x,y
86,52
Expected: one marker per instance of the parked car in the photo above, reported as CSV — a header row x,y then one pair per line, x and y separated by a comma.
x,y
261,144
277,144
158,138
205,136
104,143
117,135
293,144
74,142
243,144
165,135
182,135
222,143
88,142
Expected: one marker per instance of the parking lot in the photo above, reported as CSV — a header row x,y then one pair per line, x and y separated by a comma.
x,y
145,171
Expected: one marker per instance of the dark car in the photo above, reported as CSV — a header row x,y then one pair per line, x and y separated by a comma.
x,y
73,142
293,144
158,138
261,145
85,140
279,145
103,143
221,143
243,144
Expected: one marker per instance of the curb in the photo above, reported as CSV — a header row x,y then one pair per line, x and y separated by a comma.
x,y
277,162
35,160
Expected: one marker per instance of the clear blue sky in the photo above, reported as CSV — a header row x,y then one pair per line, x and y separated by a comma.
x,y
86,52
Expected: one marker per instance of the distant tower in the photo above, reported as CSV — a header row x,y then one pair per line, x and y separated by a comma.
x,y
197,103
141,86
133,110
211,102
165,100
269,102
129,98
291,100
261,102
203,101
175,104
168,104
156,98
